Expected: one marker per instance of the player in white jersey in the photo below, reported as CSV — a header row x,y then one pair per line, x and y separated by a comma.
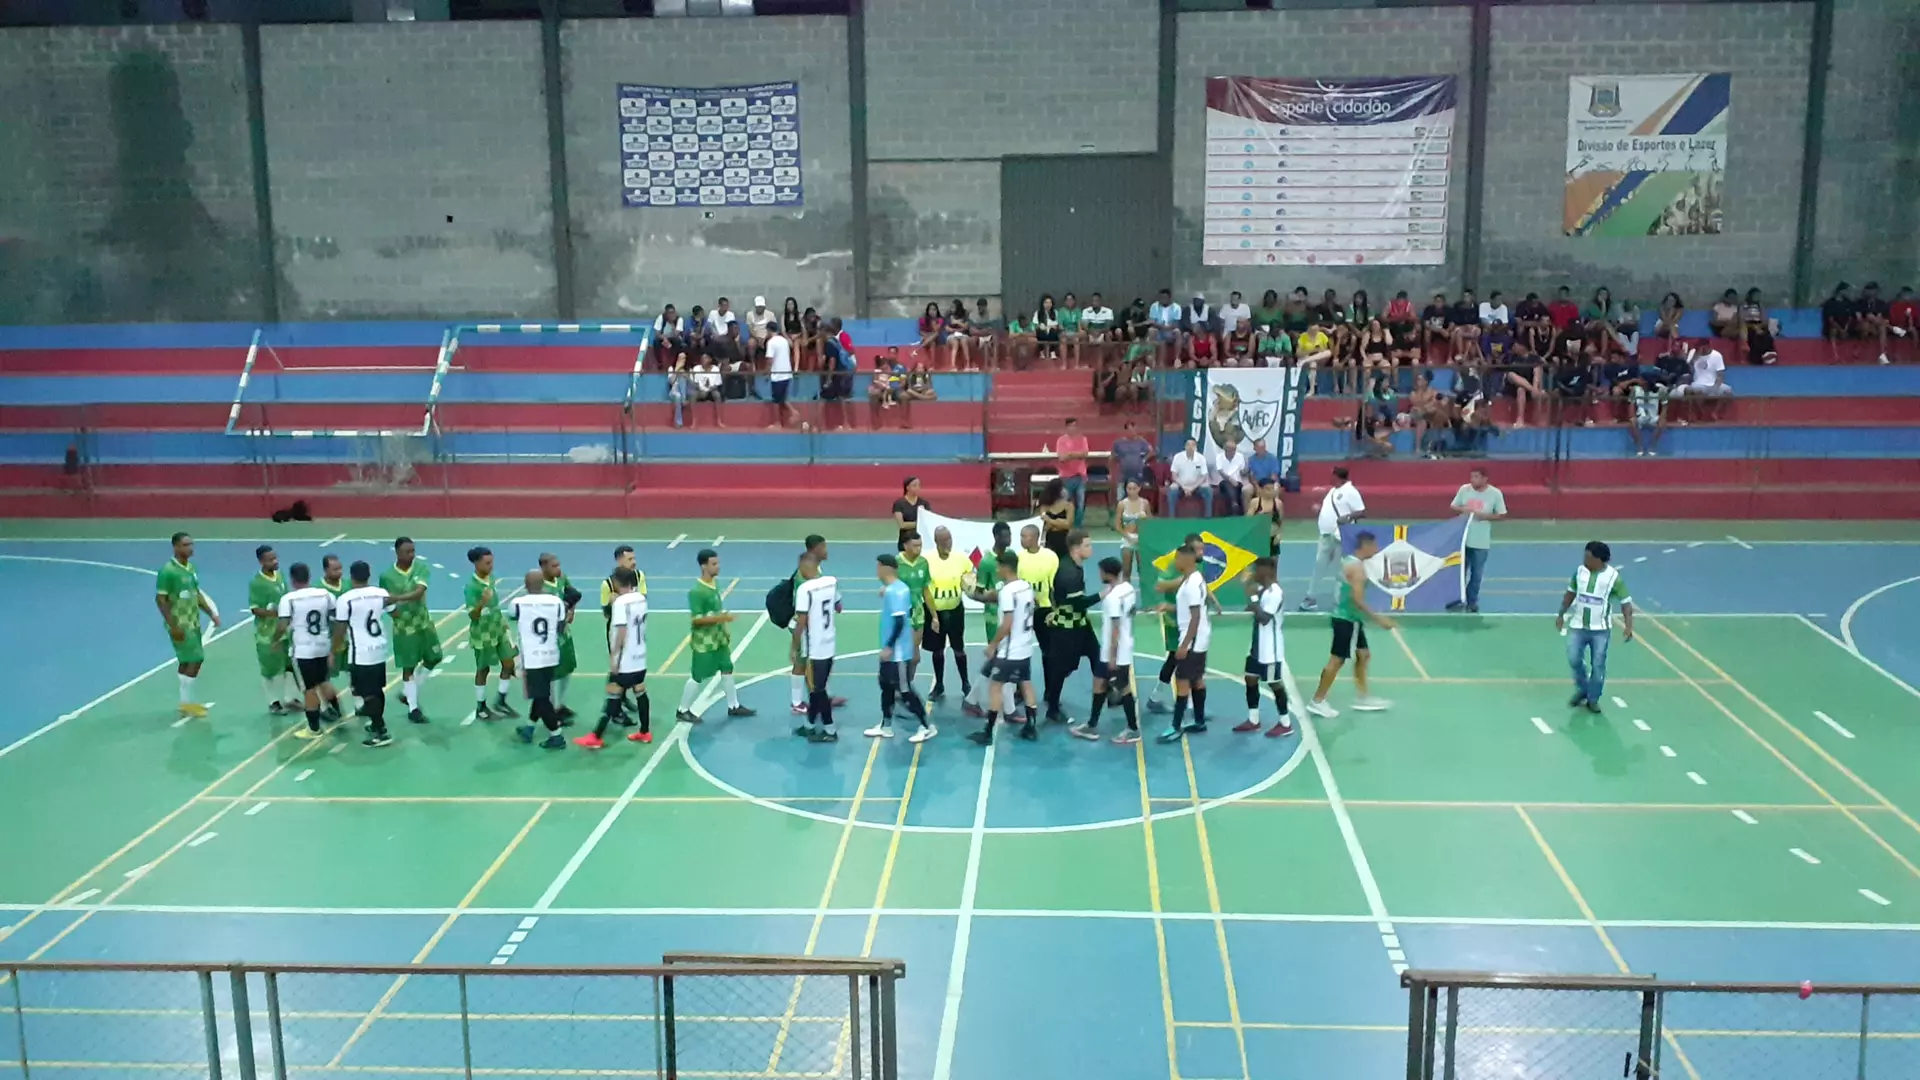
x,y
306,618
1113,671
1010,653
360,630
1194,624
1267,652
538,616
816,608
627,655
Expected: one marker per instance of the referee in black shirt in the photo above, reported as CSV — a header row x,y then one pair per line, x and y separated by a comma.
x,y
1070,635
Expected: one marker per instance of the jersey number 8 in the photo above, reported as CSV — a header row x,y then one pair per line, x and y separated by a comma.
x,y
316,623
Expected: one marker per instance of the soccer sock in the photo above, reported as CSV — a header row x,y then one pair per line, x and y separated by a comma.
x,y
375,710
607,712
915,706
1253,702
1008,697
1093,710
1033,714
826,708
500,684
313,719
732,691
410,692
643,710
1280,700
687,693
1199,706
186,689
560,692
940,667
1179,710
960,669
272,687
886,702
480,692
1133,715
993,717
798,683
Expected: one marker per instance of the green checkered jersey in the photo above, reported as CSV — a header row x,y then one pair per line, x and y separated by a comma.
x,y
335,589
180,583
704,599
491,625
558,587
411,617
265,591
917,574
1171,573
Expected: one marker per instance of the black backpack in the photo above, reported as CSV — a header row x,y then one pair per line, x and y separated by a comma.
x,y
780,603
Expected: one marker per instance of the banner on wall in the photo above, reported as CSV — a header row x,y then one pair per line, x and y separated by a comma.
x,y
1245,404
1418,567
1646,154
974,539
717,146
1328,171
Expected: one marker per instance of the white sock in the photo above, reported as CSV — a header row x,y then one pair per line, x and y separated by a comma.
x,y
973,692
687,694
186,689
501,682
1253,714
733,692
799,684
272,686
410,692
480,692
1011,698
286,687
560,691
1158,689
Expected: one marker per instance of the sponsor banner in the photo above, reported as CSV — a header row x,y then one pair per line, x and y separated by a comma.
x,y
1228,548
1646,154
974,539
1375,147
718,146
1418,567
1245,404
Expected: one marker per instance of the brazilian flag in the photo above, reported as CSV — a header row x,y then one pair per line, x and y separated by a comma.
x,y
1228,548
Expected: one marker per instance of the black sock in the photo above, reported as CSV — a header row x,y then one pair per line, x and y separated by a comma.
x,y
1133,716
643,710
1033,715
1093,710
993,717
1280,701
887,696
940,668
960,669
1199,706
915,706
1179,709
375,710
607,713
823,704
313,719
542,710
1253,695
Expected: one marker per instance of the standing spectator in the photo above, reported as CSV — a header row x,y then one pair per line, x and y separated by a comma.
x,y
794,325
1190,476
1262,466
813,340
1485,505
669,335
707,380
1532,323
1072,468
933,329
1236,330
1070,336
1046,327
1166,317
906,509
1756,330
1873,312
1230,475
1266,503
1129,459
679,389
1056,516
1341,506
1903,315
986,334
779,352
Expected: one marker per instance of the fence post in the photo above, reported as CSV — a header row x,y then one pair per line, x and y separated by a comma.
x,y
666,1013
853,1023
20,1023
1416,1031
1643,1054
212,1019
1453,1029
1861,1072
242,1021
275,1035
886,1046
466,1032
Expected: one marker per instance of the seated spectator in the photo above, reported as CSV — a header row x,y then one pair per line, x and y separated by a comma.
x,y
1190,477
889,379
1375,349
1596,320
1046,328
1626,330
707,382
1130,457
1618,377
1270,315
723,334
1262,465
1137,322
1523,376
1463,327
1359,310
986,334
1666,322
1723,318
1236,331
1400,318
762,321
1648,420
669,335
1839,318
1756,330
960,335
1564,314
1230,479
919,383
1020,339
1138,389
1379,410
1166,317
1572,377
1708,385
933,329
1070,334
1493,311
1274,348
1532,323
1333,318
1096,322
1426,411
1107,378
697,331
1313,349
1433,323
1201,333
1297,313
1903,315
1872,313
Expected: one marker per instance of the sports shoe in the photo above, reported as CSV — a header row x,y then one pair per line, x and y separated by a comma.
x,y
1029,732
1321,709
482,712
1055,716
686,716
1309,604
1197,729
590,741
415,716
565,714
1371,703
1884,360
640,736
275,708
970,709
1280,730
981,737
825,734
1593,707
555,741
879,731
1158,707
938,693
623,720
307,733
188,708
333,710
804,731
1171,735
742,710
1456,605
525,732
923,734
799,710
1084,731
1245,726
839,702
378,738
1127,736
1578,699
501,707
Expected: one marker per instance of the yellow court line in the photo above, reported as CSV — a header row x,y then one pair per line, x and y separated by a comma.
x,y
1213,903
826,901
446,924
1789,725
1784,759
1407,647
1159,930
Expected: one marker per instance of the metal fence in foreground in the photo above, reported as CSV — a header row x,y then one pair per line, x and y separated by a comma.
x,y
691,1016
1476,1026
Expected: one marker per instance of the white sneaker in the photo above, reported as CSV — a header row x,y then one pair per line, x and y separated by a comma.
x,y
1884,360
924,734
880,731
1371,704
1321,708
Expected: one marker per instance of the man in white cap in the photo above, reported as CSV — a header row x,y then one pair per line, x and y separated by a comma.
x,y
761,323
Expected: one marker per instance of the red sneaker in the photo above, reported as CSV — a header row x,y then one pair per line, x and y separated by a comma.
x,y
1280,730
640,736
1245,726
590,741
971,709
839,703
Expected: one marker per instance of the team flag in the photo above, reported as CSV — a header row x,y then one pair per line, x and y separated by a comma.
x,y
974,539
1229,547
1418,567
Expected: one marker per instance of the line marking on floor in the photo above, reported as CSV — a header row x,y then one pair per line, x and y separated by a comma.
x,y
718,540
1639,558
182,722
256,808
1804,856
1749,819
1832,723
1667,551
304,773
337,749
1732,539
137,872
1641,724
439,566
1618,703
1695,543
963,926
1697,778
334,539
1860,656
1875,897
1667,751
201,839
468,720
1213,905
85,896
1542,725
677,541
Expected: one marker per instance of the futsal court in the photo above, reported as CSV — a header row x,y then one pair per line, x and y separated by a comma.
x,y
1231,906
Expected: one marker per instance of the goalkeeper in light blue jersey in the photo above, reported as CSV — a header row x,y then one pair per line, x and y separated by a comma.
x,y
896,651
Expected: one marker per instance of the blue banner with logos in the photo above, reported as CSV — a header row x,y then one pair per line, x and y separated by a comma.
x,y
725,146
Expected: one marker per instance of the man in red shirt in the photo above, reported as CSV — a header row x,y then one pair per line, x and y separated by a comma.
x,y
1072,448
1564,313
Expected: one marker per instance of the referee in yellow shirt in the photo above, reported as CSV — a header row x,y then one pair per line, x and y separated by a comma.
x,y
1038,565
947,572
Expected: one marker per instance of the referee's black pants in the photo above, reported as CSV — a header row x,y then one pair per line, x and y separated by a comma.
x,y
1065,648
1042,636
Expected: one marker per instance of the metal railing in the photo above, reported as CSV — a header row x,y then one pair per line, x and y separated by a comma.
x,y
1477,1026
783,1018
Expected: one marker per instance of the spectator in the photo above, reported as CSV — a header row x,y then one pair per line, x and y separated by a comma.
x,y
1166,317
1709,382
1616,379
1127,518
1648,420
1375,349
1493,311
1071,447
707,379
933,329
1201,331
679,389
1070,332
1190,477
906,509
1597,319
1130,457
1230,475
1872,313
881,389
1374,423
1334,319
1106,382
1532,322
986,334
1523,376
1838,315
849,361
1271,315
762,322
1020,337
723,334
1433,323
1311,350
1138,321
1400,319
960,335
1139,386
1046,327
1341,506
1056,516
920,383
794,325
779,353
1484,505
669,334
1903,315
1236,330
1273,346
813,339
1563,313
1463,327
1572,373
697,331
1756,330
1426,412
1262,466
1359,309
1666,323
1626,330
1096,322
1723,318
1296,314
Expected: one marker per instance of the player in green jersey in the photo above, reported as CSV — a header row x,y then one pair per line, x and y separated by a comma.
x,y
487,633
416,641
913,569
269,646
333,579
180,601
558,584
1350,616
986,591
711,641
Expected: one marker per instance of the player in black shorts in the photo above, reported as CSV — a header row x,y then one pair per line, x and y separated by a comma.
x,y
1265,659
358,633
1072,636
1190,656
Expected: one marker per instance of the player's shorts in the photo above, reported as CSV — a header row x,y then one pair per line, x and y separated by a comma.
x,y
1119,678
1009,671
273,658
1266,673
819,671
312,670
568,663
1193,668
416,648
540,682
189,649
494,650
627,680
1348,635
919,618
952,633
707,664
367,680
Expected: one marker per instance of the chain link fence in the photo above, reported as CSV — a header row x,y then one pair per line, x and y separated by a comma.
x,y
780,1018
1472,1026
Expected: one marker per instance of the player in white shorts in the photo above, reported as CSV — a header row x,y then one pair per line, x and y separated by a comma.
x,y
1113,671
1266,653
359,623
627,652
1011,650
816,608
537,616
306,613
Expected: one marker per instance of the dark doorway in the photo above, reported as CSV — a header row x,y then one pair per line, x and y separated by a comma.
x,y
1098,223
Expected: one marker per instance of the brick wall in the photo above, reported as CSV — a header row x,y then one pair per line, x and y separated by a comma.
x,y
1869,208
936,233
409,170
126,186
635,261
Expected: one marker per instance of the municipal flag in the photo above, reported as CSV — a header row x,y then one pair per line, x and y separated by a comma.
x,y
1418,567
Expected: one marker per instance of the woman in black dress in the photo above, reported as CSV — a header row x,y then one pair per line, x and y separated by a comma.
x,y
906,509
1056,516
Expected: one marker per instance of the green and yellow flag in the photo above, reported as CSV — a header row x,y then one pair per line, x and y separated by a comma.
x,y
1228,548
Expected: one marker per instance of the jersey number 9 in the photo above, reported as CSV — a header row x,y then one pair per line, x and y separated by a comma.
x,y
542,627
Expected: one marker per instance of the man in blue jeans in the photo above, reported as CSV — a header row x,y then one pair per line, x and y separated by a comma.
x,y
1485,505
1586,617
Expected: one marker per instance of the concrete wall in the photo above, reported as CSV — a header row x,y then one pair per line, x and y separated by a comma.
x,y
1869,209
409,170
126,185
635,261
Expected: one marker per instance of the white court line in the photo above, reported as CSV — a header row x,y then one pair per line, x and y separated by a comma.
x,y
1695,543
963,927
1667,551
81,898
1642,724
304,773
256,808
1542,725
1860,656
1875,897
81,562
677,541
1310,739
599,833
334,539
1667,751
1832,723
1618,703
1732,539
1745,817
1639,558
1803,856
879,540
182,722
1697,778
201,839
717,541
